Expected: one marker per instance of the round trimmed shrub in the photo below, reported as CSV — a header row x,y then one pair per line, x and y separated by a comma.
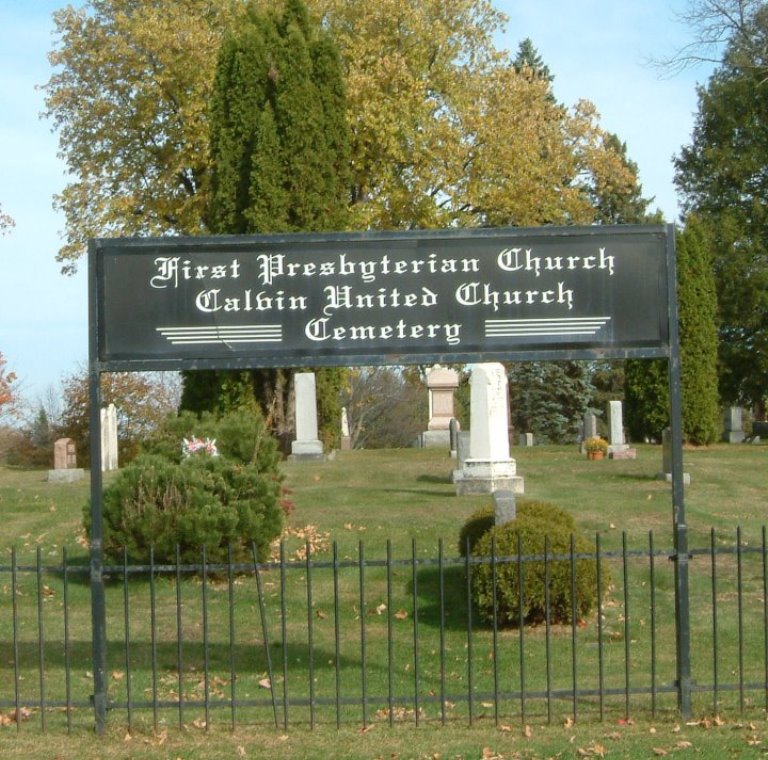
x,y
529,533
200,501
483,519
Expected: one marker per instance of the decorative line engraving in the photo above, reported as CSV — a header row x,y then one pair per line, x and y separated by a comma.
x,y
222,335
518,328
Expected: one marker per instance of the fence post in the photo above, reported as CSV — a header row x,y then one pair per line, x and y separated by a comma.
x,y
680,528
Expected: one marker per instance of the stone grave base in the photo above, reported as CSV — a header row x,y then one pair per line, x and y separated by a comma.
x,y
483,476
69,475
668,477
621,452
303,451
436,439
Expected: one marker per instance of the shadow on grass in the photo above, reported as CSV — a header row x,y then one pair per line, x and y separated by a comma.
x,y
452,613
444,479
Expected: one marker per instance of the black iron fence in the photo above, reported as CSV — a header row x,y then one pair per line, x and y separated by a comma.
x,y
379,637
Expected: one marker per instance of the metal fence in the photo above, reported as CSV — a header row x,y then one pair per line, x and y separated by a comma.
x,y
381,636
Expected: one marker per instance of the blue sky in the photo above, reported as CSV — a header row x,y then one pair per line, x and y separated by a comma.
x,y
596,49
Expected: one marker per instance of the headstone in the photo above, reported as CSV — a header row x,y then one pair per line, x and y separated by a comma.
x,y
733,425
454,428
462,449
109,439
525,440
666,459
617,445
307,444
346,439
590,426
65,469
489,467
505,506
441,384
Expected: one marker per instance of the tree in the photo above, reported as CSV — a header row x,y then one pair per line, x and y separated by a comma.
x,y
386,407
6,222
142,400
722,177
279,163
528,59
7,379
713,24
647,384
548,399
444,129
697,304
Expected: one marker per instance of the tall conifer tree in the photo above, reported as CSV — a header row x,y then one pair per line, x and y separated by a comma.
x,y
280,158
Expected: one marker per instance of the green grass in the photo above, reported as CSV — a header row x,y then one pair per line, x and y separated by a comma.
x,y
402,502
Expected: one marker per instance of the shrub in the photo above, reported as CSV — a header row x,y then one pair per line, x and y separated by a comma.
x,y
531,531
483,519
202,501
240,435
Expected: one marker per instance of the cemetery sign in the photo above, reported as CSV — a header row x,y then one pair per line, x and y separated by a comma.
x,y
381,298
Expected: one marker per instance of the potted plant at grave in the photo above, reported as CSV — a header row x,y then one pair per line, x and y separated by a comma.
x,y
596,447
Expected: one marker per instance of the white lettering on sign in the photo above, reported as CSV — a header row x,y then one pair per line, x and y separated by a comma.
x,y
172,269
319,330
395,296
519,259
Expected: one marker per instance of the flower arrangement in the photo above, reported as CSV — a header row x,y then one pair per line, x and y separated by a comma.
x,y
194,445
596,444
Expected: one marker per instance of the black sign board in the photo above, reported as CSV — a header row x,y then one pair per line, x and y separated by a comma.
x,y
381,298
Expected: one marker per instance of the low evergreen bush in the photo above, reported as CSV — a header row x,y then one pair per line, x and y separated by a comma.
x,y
166,498
537,525
483,519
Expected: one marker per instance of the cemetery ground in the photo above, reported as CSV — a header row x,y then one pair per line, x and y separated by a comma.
x,y
403,502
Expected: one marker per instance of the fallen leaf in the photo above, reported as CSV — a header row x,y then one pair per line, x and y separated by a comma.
x,y
381,609
659,752
527,732
241,752
683,745
401,614
265,683
118,675
320,614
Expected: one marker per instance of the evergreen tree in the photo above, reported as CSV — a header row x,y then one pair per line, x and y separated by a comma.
x,y
723,179
280,163
697,305
528,59
647,385
548,399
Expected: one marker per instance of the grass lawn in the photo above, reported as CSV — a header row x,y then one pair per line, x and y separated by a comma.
x,y
402,504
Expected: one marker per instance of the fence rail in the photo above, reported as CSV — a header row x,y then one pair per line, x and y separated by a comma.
x,y
367,639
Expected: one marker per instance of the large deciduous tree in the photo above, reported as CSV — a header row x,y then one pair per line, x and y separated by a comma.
x,y
444,128
723,179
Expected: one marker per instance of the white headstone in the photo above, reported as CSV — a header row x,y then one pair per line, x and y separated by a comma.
x,y
616,423
618,448
489,467
346,440
590,425
307,444
109,439
734,426
666,459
